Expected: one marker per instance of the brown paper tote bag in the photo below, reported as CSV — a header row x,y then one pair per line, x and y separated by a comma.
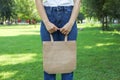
x,y
59,56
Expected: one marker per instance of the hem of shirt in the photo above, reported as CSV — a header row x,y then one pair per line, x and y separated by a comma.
x,y
57,5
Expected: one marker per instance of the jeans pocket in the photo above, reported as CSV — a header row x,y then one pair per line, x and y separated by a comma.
x,y
48,11
67,13
68,10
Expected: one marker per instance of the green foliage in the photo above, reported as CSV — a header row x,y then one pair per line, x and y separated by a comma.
x,y
81,17
101,8
23,9
112,8
6,9
26,9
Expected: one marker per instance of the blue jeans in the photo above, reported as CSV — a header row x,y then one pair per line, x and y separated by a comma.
x,y
58,16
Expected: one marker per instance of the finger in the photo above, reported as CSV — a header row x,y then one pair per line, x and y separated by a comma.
x,y
51,30
63,30
55,29
67,32
58,28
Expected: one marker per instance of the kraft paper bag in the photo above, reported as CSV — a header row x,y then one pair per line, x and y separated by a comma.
x,y
59,56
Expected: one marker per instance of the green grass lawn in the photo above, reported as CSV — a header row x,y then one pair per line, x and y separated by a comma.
x,y
98,54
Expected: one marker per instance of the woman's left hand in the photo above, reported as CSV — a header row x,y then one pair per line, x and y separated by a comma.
x,y
66,29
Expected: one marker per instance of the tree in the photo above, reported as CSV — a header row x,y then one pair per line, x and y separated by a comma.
x,y
102,10
6,10
80,17
113,8
26,10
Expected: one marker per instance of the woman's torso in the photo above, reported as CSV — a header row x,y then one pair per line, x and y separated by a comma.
x,y
55,3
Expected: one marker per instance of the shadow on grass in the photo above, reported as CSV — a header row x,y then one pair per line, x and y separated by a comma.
x,y
98,56
21,58
26,71
20,44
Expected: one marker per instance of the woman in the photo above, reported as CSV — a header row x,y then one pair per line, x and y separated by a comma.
x,y
58,19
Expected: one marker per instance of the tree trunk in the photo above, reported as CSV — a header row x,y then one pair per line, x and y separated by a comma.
x,y
103,25
106,23
3,20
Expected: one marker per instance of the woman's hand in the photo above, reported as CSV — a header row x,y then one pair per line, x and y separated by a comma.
x,y
51,27
66,29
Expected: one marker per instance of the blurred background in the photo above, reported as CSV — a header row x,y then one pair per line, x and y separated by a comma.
x,y
98,43
104,11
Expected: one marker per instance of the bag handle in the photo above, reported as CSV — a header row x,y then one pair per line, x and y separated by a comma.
x,y
52,40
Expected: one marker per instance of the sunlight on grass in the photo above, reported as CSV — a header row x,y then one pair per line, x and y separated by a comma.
x,y
113,32
19,31
88,47
5,75
104,44
85,25
16,59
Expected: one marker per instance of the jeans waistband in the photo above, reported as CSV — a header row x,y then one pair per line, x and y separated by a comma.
x,y
58,8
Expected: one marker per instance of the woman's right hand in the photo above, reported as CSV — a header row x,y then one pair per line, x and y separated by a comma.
x,y
51,27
